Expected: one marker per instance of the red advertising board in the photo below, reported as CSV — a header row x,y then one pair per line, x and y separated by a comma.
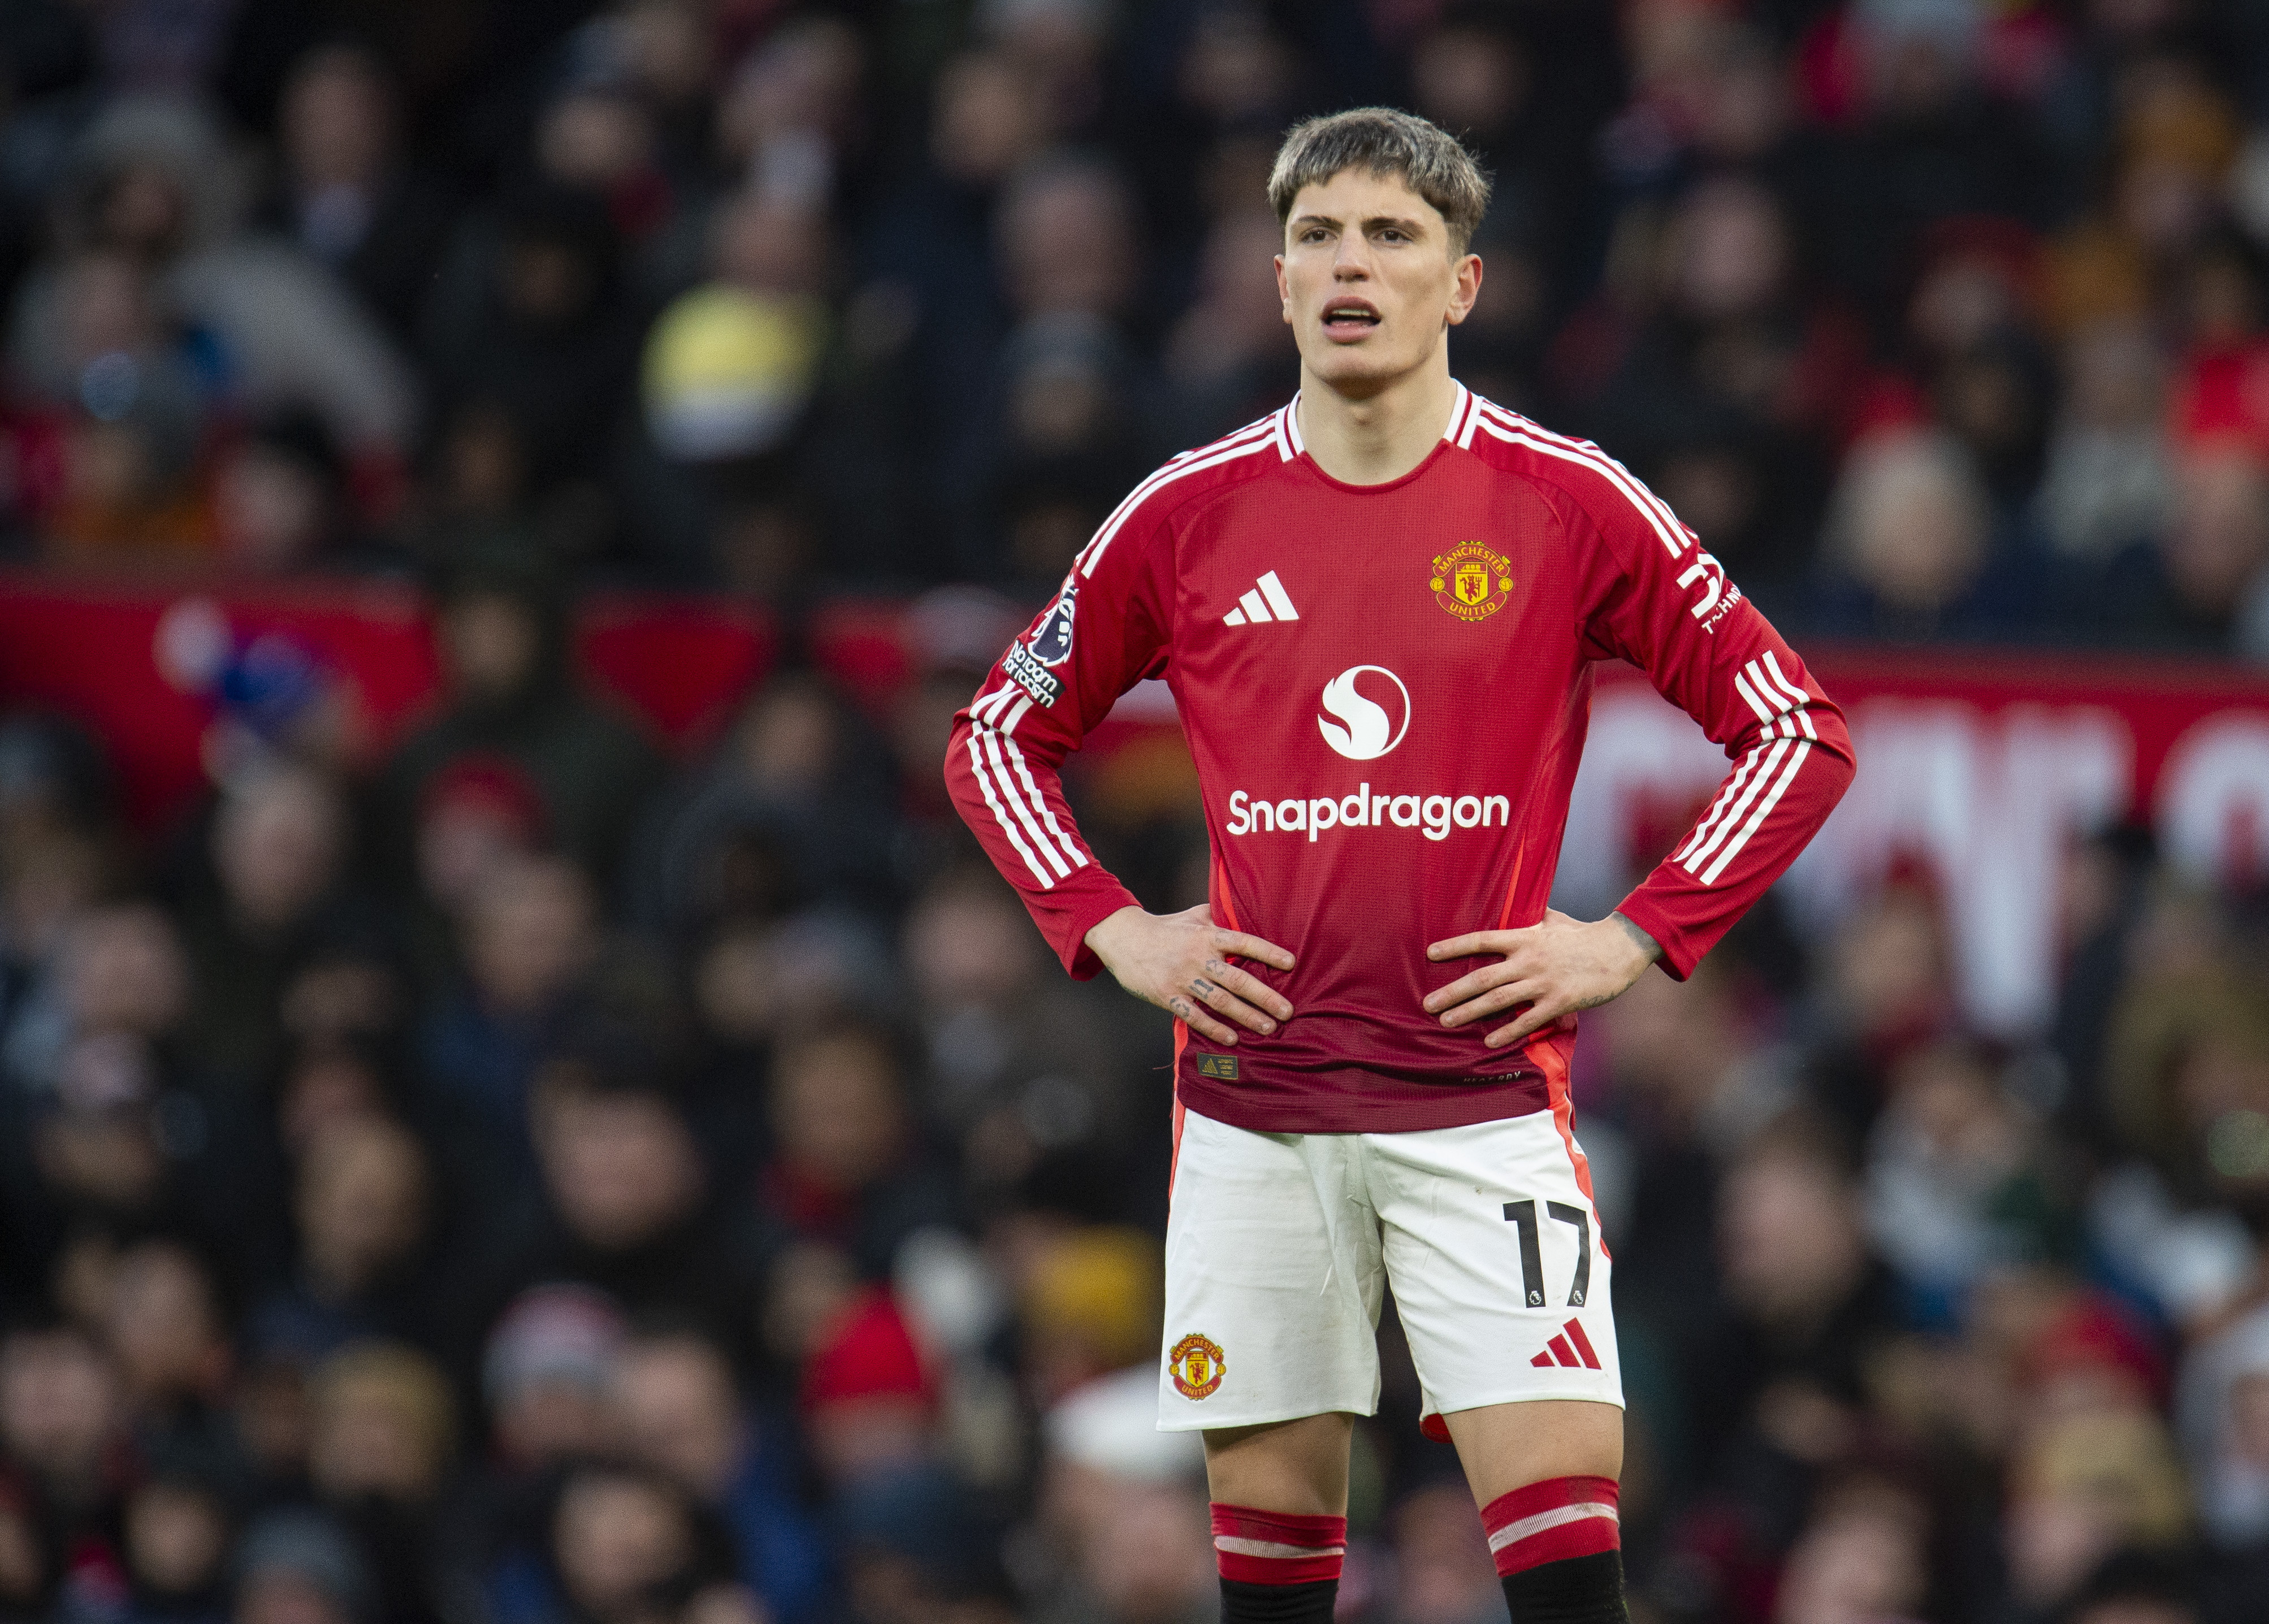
x,y
1980,766
146,668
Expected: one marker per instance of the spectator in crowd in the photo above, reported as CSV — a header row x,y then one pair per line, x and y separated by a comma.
x,y
1128,1543
296,1567
626,1206
366,1211
1914,546
684,1412
504,636
179,1524
529,323
380,1451
848,1169
793,811
528,941
547,1377
62,1419
279,845
280,501
2204,582
346,195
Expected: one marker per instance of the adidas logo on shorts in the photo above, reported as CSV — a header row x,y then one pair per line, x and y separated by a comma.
x,y
1571,1349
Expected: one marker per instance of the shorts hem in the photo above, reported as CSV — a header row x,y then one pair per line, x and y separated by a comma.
x,y
1266,1418
1526,1395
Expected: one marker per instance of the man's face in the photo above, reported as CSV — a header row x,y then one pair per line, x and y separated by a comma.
x,y
1368,280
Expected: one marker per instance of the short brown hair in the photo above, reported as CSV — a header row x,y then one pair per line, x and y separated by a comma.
x,y
1385,141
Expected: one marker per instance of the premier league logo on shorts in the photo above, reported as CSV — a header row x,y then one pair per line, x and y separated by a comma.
x,y
1196,1366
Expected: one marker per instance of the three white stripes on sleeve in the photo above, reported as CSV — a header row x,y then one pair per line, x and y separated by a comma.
x,y
1745,804
1001,768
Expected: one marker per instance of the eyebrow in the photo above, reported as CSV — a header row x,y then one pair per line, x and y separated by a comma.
x,y
1408,223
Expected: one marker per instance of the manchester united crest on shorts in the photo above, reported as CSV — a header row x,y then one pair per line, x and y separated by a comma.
x,y
1196,1366
1470,581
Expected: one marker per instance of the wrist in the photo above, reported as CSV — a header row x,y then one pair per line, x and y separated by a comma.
x,y
1646,948
1105,933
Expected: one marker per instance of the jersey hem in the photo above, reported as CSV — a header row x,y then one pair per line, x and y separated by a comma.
x,y
1404,1108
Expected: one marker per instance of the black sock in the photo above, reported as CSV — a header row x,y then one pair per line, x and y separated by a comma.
x,y
1577,1590
1278,1604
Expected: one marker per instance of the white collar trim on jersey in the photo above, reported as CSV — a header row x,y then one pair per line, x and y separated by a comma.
x,y
1289,444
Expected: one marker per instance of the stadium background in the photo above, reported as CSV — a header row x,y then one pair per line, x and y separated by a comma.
x,y
516,1100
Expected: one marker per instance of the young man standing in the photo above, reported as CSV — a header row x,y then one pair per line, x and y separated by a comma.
x,y
1378,609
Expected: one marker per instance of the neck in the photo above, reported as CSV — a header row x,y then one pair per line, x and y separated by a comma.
x,y
1371,438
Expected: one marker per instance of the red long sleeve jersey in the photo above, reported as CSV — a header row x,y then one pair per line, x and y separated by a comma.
x,y
1385,689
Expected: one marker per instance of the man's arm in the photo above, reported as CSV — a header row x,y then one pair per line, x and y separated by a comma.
x,y
1105,630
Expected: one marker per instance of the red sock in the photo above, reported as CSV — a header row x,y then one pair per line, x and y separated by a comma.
x,y
1276,1547
1550,1521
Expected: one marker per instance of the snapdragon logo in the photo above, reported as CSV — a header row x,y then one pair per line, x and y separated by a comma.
x,y
1364,732
1432,816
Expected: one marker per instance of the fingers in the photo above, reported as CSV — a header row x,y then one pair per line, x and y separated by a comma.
x,y
1236,942
1187,1010
1224,1002
1536,1020
1470,945
1495,999
1471,984
1250,988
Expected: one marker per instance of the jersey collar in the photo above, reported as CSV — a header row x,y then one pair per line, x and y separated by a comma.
x,y
1458,432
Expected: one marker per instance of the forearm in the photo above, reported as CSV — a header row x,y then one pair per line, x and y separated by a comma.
x,y
1014,806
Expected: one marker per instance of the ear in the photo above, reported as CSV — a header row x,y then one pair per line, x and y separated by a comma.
x,y
1467,288
1283,290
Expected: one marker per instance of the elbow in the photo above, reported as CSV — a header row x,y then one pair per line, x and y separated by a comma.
x,y
955,767
1845,766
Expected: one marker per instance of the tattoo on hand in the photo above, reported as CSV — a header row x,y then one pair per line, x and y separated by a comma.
x,y
1179,1009
1203,987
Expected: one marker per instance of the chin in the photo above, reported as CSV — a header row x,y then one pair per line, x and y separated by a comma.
x,y
1357,370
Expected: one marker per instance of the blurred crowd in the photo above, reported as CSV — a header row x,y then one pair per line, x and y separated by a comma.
x,y
537,1181
1936,318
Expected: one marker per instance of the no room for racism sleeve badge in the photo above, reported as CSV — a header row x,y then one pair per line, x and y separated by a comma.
x,y
1470,581
1196,1366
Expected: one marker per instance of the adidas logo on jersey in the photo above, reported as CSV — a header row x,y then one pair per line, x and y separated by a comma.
x,y
1267,601
1571,1349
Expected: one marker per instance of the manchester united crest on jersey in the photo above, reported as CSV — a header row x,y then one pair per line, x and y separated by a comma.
x,y
1470,581
1195,1364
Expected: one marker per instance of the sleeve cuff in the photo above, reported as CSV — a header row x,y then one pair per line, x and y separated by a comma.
x,y
1678,955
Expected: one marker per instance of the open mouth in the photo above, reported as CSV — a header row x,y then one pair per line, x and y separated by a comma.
x,y
1350,318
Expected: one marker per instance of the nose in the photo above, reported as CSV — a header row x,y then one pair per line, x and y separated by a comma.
x,y
1351,261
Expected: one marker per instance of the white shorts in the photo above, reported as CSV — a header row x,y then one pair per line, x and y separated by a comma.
x,y
1278,1245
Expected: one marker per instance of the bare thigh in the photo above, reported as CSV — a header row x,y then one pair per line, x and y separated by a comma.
x,y
1507,1446
1299,1467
